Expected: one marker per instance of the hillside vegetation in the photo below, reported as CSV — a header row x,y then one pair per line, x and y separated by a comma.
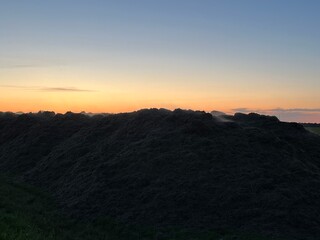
x,y
177,169
26,213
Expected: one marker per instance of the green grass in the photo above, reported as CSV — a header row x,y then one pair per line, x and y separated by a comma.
x,y
315,130
28,214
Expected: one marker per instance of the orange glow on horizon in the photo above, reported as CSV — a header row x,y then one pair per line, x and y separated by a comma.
x,y
127,93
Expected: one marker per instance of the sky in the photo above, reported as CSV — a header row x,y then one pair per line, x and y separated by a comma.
x,y
121,55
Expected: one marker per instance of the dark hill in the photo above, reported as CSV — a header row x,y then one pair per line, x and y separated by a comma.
x,y
172,168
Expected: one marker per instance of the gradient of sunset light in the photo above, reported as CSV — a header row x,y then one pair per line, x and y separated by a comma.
x,y
116,56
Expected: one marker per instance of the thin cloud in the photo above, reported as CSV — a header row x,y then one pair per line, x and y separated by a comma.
x,y
13,66
295,110
60,89
49,89
17,86
16,64
291,110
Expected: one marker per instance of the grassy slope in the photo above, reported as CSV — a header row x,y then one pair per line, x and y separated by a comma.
x,y
28,214
314,129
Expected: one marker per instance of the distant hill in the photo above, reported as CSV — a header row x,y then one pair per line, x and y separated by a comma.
x,y
217,113
171,168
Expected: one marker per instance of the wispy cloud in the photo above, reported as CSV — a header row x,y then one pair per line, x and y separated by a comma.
x,y
12,86
246,110
48,89
60,89
295,110
17,63
9,66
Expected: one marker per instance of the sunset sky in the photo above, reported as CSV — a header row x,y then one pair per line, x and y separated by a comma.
x,y
123,55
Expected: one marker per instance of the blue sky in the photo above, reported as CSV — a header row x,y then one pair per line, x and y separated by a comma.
x,y
190,54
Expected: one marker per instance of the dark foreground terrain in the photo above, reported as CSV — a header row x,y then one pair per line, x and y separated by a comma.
x,y
312,127
161,169
29,214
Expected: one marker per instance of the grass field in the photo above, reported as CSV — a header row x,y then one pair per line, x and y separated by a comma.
x,y
314,129
28,214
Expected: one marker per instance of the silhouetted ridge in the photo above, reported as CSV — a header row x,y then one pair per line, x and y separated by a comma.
x,y
172,168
